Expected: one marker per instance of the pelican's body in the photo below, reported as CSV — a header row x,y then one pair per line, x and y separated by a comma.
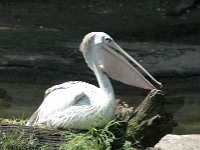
x,y
80,105
76,105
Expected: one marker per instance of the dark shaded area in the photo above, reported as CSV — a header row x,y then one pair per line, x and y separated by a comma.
x,y
183,7
36,23
5,99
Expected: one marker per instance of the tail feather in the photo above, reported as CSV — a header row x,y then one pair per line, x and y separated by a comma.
x,y
32,119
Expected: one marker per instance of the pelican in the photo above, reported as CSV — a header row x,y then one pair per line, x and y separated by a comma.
x,y
79,105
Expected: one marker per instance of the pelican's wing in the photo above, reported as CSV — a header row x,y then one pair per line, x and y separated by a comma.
x,y
32,119
65,85
57,98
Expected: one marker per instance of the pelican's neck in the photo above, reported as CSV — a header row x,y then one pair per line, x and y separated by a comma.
x,y
104,82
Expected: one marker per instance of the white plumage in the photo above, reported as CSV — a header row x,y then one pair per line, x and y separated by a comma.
x,y
72,105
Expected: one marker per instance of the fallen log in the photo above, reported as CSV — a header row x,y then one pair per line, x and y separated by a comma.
x,y
150,122
143,127
35,137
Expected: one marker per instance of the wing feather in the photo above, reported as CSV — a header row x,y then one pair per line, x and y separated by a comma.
x,y
57,98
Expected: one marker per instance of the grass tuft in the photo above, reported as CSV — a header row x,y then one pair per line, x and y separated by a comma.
x,y
16,140
17,121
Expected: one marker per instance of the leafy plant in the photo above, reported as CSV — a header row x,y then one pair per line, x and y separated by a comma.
x,y
95,138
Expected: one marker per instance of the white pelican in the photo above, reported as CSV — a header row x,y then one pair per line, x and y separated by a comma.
x,y
79,105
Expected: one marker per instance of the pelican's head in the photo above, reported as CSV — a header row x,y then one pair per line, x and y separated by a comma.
x,y
93,40
101,51
91,43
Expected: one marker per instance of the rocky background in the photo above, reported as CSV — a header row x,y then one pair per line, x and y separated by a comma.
x,y
39,40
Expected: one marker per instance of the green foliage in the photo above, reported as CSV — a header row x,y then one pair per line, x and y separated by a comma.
x,y
15,140
128,146
78,141
96,139
18,121
18,139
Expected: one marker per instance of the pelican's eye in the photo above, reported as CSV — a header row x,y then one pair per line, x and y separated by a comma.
x,y
108,40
